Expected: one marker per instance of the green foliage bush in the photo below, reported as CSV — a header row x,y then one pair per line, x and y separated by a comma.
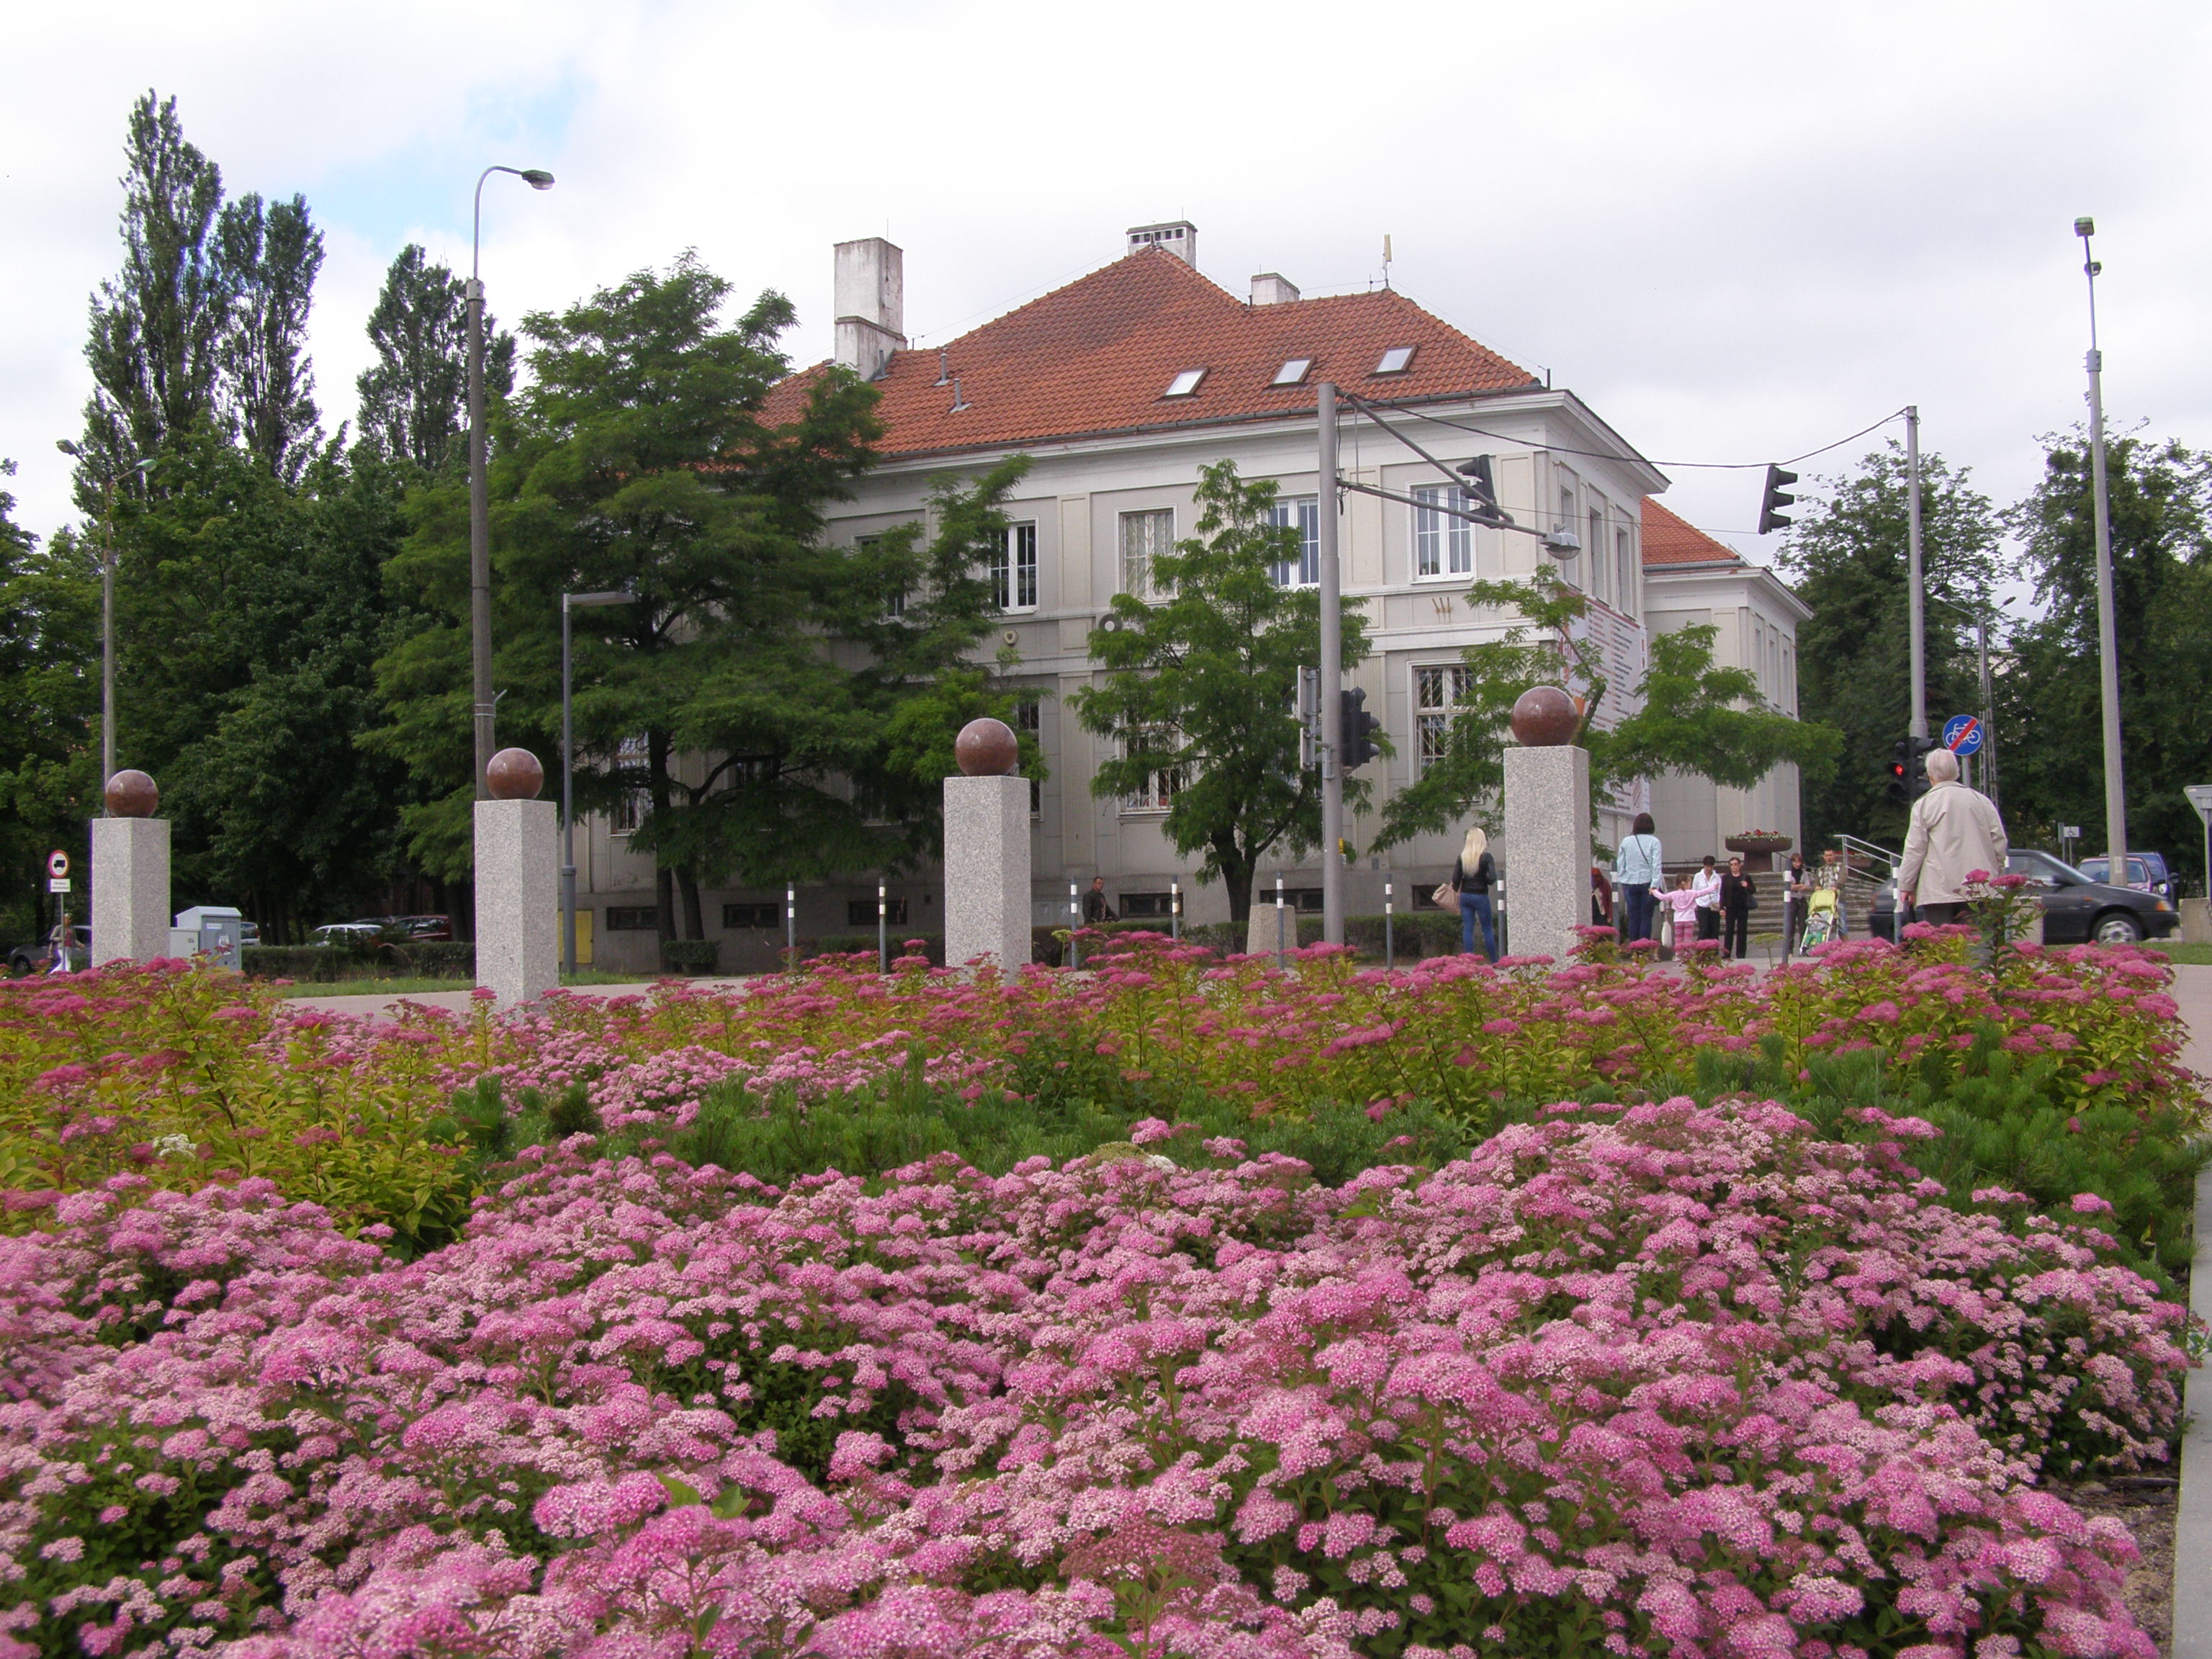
x,y
330,964
690,956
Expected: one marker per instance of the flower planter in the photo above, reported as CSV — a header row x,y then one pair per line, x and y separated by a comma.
x,y
1758,851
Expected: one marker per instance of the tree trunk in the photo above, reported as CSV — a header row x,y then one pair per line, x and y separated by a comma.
x,y
695,921
1235,877
664,906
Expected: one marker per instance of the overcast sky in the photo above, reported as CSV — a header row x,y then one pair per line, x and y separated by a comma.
x,y
1738,231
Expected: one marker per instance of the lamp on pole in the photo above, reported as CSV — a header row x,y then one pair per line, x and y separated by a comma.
x,y
2108,655
107,616
479,499
569,601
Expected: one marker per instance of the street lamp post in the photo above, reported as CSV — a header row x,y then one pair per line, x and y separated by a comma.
x,y
107,617
479,497
568,603
2108,655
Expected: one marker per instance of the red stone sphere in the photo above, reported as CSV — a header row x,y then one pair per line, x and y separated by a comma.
x,y
514,774
1545,717
987,749
132,795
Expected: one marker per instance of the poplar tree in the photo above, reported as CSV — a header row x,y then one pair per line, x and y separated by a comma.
x,y
268,256
414,398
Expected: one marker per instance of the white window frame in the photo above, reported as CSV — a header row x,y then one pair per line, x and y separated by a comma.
x,y
1159,788
1439,691
1627,572
1136,568
1303,512
632,806
1014,568
1443,546
1600,569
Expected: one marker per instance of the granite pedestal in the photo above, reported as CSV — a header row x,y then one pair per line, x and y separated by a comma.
x,y
1547,849
130,890
987,873
518,881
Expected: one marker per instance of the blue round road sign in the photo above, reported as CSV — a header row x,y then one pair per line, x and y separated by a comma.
x,y
1962,733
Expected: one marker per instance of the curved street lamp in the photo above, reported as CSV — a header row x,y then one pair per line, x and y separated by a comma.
x,y
479,500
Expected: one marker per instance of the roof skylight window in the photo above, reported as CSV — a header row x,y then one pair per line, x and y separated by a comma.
x,y
1397,360
1291,372
1184,384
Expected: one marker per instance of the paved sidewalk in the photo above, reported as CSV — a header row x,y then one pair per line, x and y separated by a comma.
x,y
2192,989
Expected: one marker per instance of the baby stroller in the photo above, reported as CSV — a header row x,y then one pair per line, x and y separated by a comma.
x,y
1823,918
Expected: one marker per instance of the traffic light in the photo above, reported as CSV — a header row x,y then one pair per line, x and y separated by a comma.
x,y
1359,729
1482,489
1771,515
1900,772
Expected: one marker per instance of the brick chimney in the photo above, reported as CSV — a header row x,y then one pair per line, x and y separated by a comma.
x,y
871,305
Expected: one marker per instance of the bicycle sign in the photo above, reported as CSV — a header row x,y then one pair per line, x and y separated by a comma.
x,y
1962,734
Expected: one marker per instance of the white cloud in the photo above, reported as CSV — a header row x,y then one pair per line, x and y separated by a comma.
x,y
1738,230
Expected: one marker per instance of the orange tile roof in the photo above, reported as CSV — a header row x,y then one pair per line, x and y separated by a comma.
x,y
1096,357
1669,538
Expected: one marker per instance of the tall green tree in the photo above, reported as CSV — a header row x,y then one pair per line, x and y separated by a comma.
x,y
158,328
1849,557
414,397
49,706
2159,494
1201,691
756,691
268,256
1691,717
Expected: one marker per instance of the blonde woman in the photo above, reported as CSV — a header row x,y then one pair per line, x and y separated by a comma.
x,y
1472,874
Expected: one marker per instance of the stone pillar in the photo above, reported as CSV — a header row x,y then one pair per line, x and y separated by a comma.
x,y
130,890
130,873
517,882
1547,848
987,851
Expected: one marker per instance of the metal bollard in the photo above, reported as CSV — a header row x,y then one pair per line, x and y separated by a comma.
x,y
882,931
1074,921
1389,929
1281,962
791,929
1175,911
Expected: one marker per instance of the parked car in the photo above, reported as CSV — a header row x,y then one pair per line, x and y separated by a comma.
x,y
2149,872
424,929
37,957
2076,909
346,932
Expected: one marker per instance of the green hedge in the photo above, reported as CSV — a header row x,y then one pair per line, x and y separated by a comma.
x,y
1424,933
690,956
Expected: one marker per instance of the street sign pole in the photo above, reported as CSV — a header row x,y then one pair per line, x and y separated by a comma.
x,y
2200,797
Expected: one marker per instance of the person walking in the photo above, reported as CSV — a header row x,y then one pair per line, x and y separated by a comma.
x,y
1736,898
1953,831
1796,894
1638,869
1681,907
1706,884
1600,897
1473,873
1096,909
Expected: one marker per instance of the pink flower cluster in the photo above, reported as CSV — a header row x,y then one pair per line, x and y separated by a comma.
x,y
1661,1379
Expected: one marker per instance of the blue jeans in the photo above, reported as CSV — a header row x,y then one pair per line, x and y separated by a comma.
x,y
1472,905
1636,898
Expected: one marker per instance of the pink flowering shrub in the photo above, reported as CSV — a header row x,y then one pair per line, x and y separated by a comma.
x,y
1666,1379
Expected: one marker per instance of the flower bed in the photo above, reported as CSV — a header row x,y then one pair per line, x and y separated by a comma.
x,y
1666,1379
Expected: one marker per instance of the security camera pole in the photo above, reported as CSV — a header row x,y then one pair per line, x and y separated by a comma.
x,y
2108,653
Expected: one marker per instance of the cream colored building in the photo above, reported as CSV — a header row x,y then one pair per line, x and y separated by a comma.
x,y
1120,387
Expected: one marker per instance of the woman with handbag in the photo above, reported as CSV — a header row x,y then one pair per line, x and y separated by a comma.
x,y
1738,897
1473,871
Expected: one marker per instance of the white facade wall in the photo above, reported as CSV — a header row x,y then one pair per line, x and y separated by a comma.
x,y
1075,495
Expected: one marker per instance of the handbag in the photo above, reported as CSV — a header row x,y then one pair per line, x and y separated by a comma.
x,y
1446,897
1751,898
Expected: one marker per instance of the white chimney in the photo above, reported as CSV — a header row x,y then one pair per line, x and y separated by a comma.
x,y
871,305
1179,237
1269,290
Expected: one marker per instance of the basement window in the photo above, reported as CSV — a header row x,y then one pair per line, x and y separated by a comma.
x,y
1397,360
1291,372
1184,384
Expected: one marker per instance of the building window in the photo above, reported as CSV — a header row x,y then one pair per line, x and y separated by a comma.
x,y
1133,906
1437,692
1293,371
1305,901
1014,568
861,913
1305,513
1145,536
1395,361
632,806
752,915
1624,559
895,604
1443,545
1593,550
1157,791
1185,383
1029,717
633,918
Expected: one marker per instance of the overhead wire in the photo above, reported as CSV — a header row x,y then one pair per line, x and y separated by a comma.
x,y
1608,455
